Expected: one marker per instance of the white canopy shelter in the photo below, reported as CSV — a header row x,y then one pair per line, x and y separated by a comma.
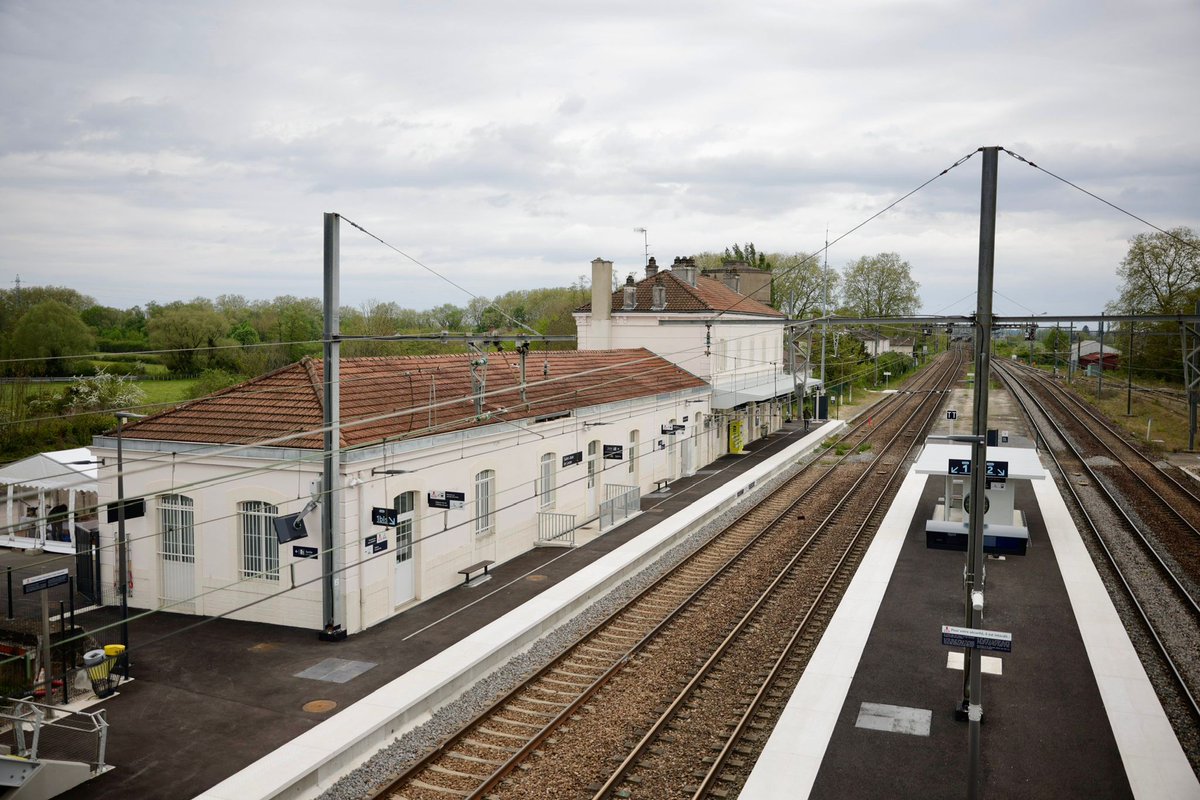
x,y
42,495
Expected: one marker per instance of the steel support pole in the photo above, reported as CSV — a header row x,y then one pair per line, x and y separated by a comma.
x,y
973,700
122,554
333,601
1100,376
1129,379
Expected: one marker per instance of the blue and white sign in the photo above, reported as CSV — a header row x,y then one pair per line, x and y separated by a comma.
x,y
976,638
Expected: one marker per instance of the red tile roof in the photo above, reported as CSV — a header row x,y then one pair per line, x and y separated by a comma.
x,y
708,295
410,396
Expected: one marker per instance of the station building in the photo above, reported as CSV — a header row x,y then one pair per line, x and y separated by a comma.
x,y
479,456
733,341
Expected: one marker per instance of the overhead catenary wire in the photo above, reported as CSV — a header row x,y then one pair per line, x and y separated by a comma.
x,y
432,271
1106,202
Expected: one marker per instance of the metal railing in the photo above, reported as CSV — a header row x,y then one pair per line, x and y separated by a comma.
x,y
620,502
555,527
39,731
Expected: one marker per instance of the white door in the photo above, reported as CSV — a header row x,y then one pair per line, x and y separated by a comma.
x,y
405,585
593,477
176,553
687,445
672,454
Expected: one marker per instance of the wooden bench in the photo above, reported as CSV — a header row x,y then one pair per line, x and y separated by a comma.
x,y
467,571
661,485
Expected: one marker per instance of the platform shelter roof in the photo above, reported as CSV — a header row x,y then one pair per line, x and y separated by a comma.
x,y
1023,462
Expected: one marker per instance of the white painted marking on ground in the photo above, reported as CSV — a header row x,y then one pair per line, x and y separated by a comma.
x,y
991,664
894,719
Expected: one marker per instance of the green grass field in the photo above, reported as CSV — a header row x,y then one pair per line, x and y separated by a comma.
x,y
162,394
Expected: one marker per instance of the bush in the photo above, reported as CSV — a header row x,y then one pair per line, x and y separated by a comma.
x,y
213,380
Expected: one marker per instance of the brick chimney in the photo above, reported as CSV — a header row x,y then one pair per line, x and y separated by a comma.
x,y
651,268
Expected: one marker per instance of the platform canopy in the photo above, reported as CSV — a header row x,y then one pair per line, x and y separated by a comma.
x,y
1023,462
57,469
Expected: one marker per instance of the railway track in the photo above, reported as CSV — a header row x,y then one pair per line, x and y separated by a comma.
x,y
619,686
1139,517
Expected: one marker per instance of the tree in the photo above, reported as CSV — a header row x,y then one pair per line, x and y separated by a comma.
x,y
50,334
880,286
749,254
800,287
184,333
1160,273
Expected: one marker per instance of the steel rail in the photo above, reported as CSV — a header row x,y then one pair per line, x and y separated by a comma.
x,y
1064,397
618,775
1151,628
890,404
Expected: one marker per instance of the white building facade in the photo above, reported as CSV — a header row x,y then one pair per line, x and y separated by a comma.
x,y
542,464
732,341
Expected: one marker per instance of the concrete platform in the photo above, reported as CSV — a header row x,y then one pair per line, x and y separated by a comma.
x,y
1068,713
217,708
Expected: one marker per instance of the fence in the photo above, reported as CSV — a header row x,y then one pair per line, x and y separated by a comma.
x,y
38,731
619,503
557,528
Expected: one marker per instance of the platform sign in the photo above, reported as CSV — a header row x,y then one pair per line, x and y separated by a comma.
x,y
614,452
388,517
304,552
951,414
570,459
44,581
447,499
962,466
959,466
976,638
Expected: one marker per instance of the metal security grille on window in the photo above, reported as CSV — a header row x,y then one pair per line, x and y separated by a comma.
x,y
176,522
260,545
546,482
485,502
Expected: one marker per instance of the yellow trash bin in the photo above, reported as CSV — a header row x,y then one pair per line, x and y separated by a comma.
x,y
113,652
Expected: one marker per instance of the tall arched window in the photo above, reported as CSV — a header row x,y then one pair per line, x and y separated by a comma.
x,y
485,502
546,483
260,546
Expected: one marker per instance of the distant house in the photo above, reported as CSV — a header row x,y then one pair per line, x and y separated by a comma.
x,y
1087,353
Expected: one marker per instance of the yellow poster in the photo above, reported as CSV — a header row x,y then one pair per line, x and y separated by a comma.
x,y
735,437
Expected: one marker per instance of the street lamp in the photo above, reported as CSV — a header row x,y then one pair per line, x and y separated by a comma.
x,y
645,242
121,542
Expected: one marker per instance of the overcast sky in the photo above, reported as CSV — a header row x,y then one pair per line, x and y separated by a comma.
x,y
168,150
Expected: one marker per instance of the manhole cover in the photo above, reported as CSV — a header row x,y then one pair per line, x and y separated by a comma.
x,y
536,578
319,706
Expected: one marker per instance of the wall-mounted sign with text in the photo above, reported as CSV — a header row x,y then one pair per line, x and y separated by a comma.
x,y
447,499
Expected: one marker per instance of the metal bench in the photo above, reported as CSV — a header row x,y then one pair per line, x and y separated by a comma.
x,y
661,485
467,571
